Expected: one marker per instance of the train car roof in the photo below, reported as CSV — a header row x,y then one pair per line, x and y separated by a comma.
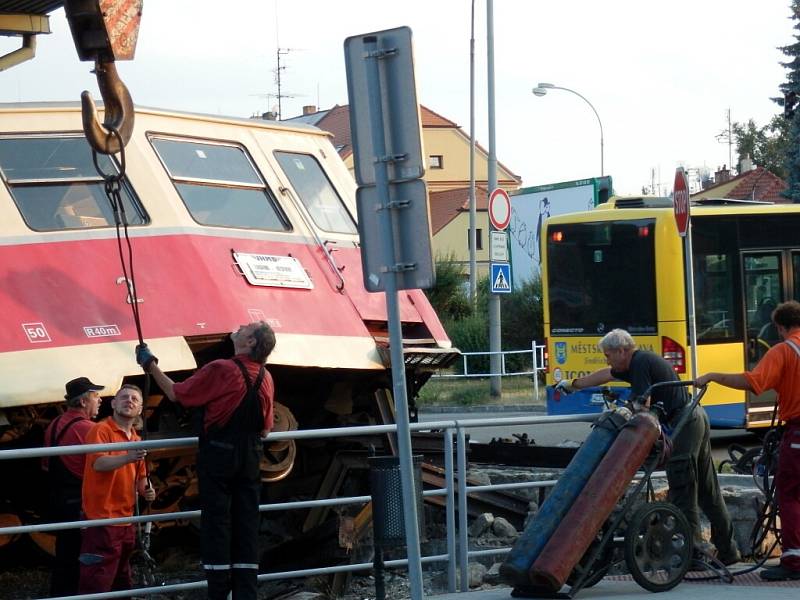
x,y
70,106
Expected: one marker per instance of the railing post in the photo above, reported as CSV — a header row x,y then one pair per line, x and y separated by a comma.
x,y
450,510
535,361
463,528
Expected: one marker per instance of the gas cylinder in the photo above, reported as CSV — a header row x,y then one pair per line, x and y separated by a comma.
x,y
528,546
594,504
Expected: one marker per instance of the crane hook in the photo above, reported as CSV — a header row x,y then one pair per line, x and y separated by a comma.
x,y
114,132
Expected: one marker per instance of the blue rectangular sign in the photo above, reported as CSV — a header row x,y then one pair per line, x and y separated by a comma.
x,y
501,278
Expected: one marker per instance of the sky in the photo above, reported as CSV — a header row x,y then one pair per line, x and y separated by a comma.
x,y
661,75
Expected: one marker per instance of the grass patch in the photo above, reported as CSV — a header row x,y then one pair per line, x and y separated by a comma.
x,y
474,391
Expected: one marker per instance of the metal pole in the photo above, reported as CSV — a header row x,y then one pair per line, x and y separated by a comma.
x,y
535,371
450,510
495,338
689,267
599,122
386,218
473,237
463,528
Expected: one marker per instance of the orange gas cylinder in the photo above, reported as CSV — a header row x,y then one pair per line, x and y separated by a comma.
x,y
590,510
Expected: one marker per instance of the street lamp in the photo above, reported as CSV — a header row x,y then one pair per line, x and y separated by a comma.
x,y
541,90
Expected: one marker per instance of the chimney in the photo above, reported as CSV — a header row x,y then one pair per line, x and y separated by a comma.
x,y
746,164
309,109
722,175
269,116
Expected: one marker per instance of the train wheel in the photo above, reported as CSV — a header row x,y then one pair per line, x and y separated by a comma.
x,y
658,546
279,455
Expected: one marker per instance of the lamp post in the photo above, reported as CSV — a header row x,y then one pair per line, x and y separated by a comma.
x,y
541,90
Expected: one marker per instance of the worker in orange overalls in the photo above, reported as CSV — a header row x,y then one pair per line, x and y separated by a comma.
x,y
779,370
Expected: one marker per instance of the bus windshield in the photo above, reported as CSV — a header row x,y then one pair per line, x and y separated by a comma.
x,y
590,265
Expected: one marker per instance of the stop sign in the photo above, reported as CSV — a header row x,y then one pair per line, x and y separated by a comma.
x,y
680,201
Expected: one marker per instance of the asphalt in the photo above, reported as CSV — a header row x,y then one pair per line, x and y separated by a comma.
x,y
744,587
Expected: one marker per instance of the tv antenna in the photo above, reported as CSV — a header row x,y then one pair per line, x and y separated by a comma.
x,y
278,70
726,137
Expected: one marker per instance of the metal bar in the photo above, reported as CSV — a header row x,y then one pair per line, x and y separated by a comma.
x,y
302,434
535,362
463,540
450,510
509,486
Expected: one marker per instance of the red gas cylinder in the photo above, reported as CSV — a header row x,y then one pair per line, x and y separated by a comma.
x,y
590,510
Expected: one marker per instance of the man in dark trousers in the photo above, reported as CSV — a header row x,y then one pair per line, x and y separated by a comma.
x,y
112,480
65,477
779,370
237,397
690,470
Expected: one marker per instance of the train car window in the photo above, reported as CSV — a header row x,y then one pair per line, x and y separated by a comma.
x,y
316,192
55,186
219,184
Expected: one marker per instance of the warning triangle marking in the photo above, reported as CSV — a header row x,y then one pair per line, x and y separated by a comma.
x,y
500,283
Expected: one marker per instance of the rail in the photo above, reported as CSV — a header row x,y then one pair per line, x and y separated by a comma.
x,y
458,553
538,365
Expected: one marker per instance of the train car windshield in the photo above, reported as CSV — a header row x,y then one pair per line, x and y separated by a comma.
x,y
316,192
219,184
600,276
55,186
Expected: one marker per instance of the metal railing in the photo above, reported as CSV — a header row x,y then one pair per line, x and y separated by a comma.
x,y
537,365
458,552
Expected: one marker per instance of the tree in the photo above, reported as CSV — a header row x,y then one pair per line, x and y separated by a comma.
x,y
765,145
448,297
792,86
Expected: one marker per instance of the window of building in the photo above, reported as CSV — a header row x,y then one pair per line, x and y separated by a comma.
x,y
55,185
436,161
219,184
316,192
478,239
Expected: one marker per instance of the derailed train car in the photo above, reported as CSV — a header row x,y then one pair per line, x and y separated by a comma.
x,y
229,221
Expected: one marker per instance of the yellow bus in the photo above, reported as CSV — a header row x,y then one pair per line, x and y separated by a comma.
x,y
622,265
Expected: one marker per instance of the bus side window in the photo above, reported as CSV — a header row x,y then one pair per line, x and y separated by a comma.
x,y
55,186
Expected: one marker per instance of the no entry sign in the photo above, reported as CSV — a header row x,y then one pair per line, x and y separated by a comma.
x,y
499,209
680,200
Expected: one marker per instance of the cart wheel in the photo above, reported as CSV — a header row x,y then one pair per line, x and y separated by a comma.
x,y
658,546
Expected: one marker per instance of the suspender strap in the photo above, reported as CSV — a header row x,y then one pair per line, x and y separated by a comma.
x,y
246,376
794,347
55,439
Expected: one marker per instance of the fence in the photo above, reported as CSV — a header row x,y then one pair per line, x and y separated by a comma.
x,y
538,365
458,553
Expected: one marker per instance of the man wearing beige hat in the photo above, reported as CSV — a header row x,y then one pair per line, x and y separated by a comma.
x,y
65,476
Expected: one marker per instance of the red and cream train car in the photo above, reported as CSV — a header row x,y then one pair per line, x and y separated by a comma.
x,y
230,221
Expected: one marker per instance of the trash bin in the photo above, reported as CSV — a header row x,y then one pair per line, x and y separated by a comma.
x,y
388,521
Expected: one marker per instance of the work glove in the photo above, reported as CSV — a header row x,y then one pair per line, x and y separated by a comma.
x,y
144,357
565,386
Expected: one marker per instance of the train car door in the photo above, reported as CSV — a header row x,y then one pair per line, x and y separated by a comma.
x,y
768,278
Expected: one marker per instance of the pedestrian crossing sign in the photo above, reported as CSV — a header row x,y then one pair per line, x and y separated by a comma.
x,y
501,278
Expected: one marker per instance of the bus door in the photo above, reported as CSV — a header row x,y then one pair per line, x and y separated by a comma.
x,y
768,278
